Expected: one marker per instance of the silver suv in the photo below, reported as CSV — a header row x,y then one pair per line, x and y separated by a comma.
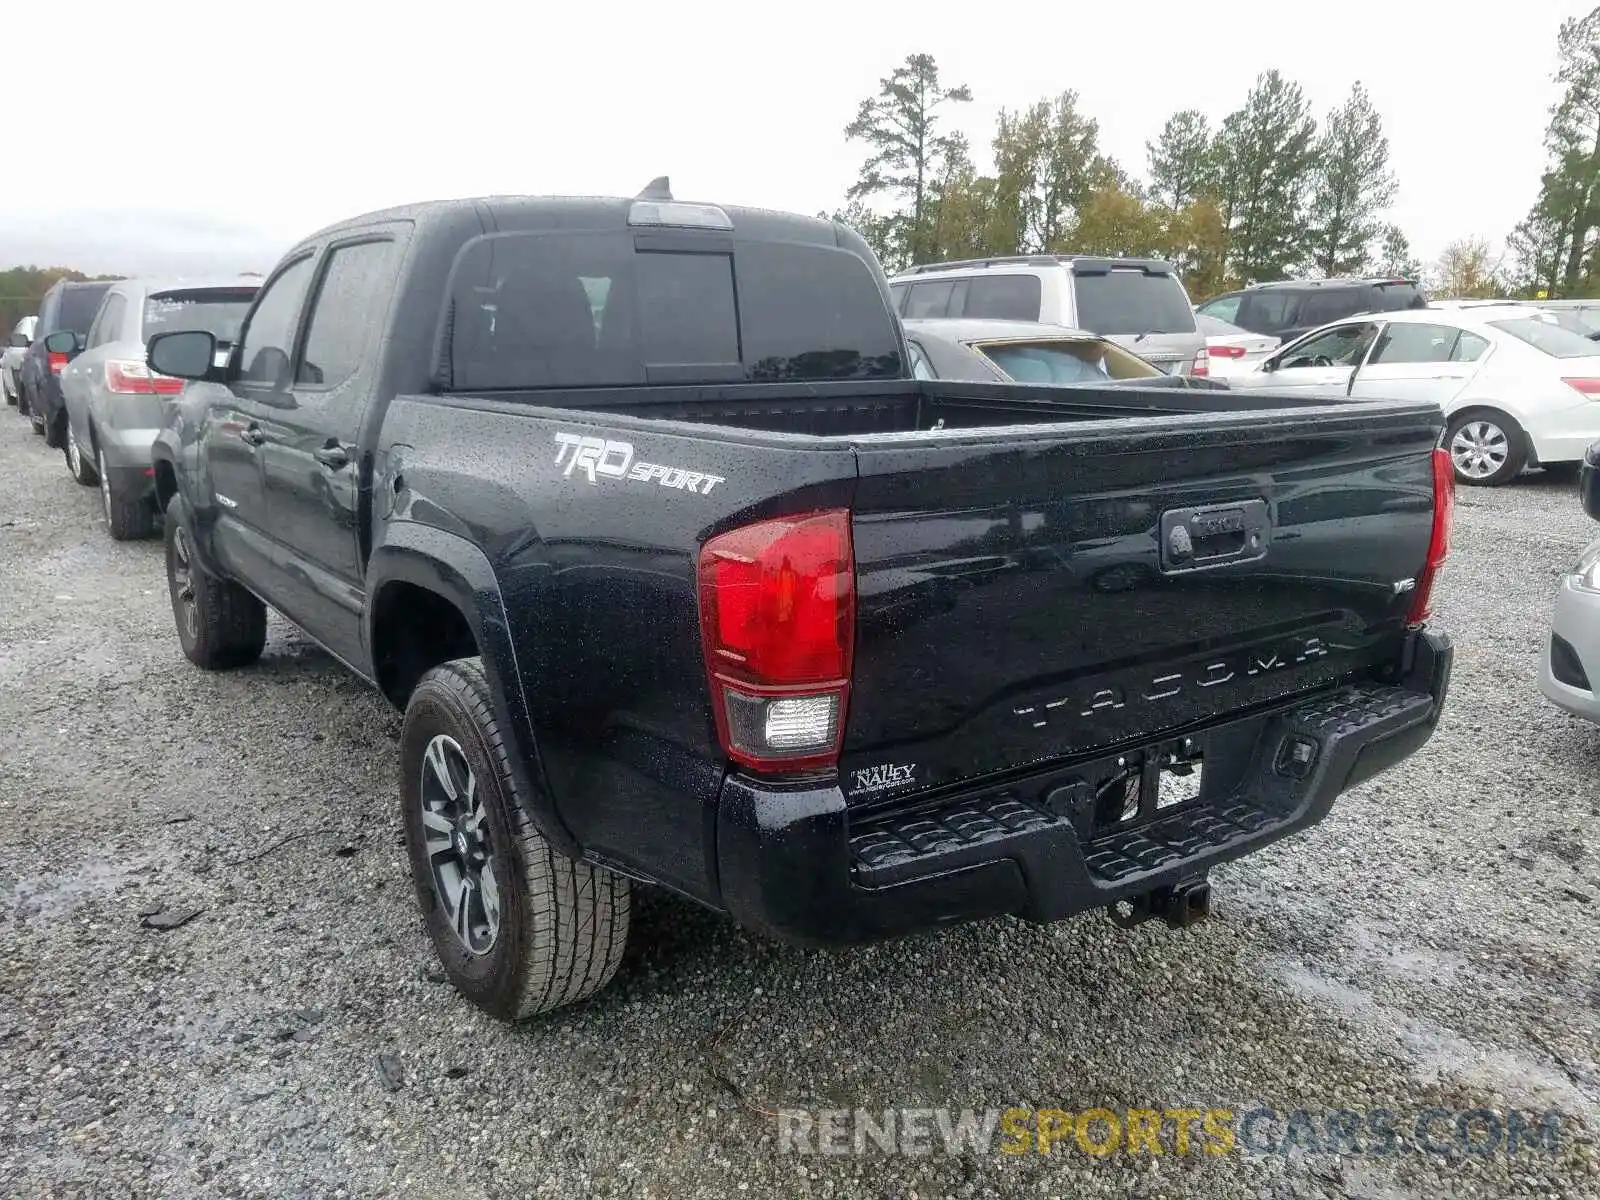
x,y
1138,303
115,405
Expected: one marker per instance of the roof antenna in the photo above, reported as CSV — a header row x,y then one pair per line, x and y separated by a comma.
x,y
658,188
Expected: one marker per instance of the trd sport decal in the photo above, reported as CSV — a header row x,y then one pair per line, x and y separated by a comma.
x,y
595,458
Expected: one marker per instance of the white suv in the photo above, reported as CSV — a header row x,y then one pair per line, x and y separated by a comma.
x,y
1138,303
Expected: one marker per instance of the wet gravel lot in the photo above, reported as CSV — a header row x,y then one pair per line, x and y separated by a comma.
x,y
1431,945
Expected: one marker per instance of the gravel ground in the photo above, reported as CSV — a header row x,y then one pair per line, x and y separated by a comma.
x,y
1432,944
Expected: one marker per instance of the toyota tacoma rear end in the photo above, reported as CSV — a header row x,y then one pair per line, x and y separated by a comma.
x,y
635,510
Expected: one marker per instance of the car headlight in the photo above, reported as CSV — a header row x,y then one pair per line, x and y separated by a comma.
x,y
1586,571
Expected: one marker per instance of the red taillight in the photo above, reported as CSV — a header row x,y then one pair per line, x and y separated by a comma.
x,y
1227,351
1202,362
1444,504
777,623
58,362
1589,387
129,377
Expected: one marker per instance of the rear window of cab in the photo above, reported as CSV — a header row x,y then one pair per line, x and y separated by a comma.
x,y
536,310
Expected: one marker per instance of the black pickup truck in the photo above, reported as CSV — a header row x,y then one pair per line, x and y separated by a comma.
x,y
679,577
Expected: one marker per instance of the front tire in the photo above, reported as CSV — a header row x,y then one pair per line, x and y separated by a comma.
x,y
519,928
220,624
1486,448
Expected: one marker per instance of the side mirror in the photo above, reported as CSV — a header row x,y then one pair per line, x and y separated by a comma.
x,y
1589,482
183,354
62,341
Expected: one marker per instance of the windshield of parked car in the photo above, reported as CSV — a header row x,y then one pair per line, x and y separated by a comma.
x,y
1080,360
217,311
535,310
1131,301
1544,334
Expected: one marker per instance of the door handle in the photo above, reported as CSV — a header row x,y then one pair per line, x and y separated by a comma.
x,y
252,434
332,457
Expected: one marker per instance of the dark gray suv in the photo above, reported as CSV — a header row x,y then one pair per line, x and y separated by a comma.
x,y
1286,310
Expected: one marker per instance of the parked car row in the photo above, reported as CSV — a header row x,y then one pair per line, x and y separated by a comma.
x,y
85,386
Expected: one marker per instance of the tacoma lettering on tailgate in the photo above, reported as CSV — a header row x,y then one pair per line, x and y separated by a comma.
x,y
1193,677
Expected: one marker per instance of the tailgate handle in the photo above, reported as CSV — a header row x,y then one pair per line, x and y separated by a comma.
x,y
1214,534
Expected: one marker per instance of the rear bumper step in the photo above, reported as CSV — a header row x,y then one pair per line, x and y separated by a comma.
x,y
795,864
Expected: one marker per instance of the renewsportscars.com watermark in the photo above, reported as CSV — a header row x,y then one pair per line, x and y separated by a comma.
x,y
1100,1132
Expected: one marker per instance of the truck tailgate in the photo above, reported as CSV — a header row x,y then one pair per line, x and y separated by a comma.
x,y
1034,594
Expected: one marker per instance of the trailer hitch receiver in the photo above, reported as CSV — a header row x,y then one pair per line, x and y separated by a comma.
x,y
1183,904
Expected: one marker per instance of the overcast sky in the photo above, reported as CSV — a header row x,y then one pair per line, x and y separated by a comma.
x,y
168,136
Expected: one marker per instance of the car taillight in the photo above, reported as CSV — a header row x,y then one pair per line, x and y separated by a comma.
x,y
1227,351
1202,362
777,623
1444,504
58,362
1589,387
129,377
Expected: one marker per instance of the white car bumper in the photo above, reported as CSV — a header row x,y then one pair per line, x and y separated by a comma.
x,y
1563,435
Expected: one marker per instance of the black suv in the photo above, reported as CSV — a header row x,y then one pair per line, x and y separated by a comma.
x,y
66,305
1288,309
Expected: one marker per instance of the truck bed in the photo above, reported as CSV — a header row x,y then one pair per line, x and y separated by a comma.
x,y
901,406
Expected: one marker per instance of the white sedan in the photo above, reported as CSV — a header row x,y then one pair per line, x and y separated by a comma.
x,y
1518,389
1230,350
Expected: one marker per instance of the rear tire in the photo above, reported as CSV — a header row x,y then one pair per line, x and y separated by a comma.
x,y
220,624
519,928
129,518
1487,448
55,433
79,467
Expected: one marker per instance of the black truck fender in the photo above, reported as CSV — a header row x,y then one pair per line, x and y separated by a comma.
x,y
173,477
459,573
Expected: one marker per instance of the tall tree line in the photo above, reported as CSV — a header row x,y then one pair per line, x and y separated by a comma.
x,y
1269,193
21,289
1556,248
